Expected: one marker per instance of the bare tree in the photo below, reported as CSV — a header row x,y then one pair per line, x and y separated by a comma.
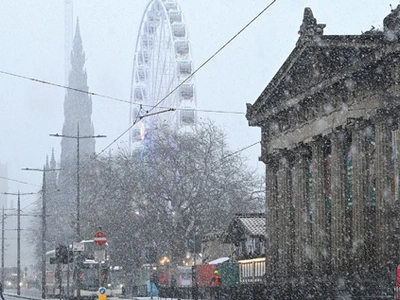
x,y
180,184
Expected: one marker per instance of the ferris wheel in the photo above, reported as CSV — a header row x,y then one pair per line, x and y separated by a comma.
x,y
162,62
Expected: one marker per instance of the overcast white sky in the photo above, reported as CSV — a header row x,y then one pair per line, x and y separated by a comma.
x,y
32,45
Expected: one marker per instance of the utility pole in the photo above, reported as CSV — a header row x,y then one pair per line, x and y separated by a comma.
x,y
2,247
78,137
2,244
44,226
19,238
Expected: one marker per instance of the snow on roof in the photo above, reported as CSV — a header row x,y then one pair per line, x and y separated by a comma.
x,y
255,225
218,261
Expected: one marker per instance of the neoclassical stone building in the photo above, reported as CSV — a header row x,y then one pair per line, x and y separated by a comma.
x,y
330,119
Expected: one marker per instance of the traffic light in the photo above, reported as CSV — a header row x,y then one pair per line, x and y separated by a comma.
x,y
80,259
59,253
53,260
62,255
151,254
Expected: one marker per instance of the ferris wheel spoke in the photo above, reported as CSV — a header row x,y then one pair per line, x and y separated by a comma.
x,y
162,73
161,57
161,62
162,89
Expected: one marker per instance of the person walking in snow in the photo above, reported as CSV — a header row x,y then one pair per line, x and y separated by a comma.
x,y
216,284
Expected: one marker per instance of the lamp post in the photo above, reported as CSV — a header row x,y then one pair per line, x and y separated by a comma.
x,y
4,216
18,238
78,224
2,247
78,137
44,226
2,244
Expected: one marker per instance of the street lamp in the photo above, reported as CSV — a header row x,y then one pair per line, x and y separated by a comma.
x,y
18,238
44,229
78,137
78,225
2,247
2,243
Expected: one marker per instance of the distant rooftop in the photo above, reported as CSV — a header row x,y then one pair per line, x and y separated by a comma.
x,y
252,224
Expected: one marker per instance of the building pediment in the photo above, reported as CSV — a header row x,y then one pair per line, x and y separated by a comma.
x,y
321,64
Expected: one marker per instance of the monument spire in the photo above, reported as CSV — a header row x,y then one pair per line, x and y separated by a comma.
x,y
77,109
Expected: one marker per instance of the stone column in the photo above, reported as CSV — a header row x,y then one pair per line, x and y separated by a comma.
x,y
271,237
384,188
339,203
396,207
284,211
360,193
301,257
319,209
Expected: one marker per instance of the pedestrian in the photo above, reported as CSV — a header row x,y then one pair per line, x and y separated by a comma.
x,y
163,279
173,286
216,284
1,290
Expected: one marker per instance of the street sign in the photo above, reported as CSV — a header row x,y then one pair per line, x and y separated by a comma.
x,y
100,238
78,247
102,293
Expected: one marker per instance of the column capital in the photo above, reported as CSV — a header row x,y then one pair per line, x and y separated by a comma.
x,y
319,141
285,153
339,134
357,123
302,149
272,158
385,116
